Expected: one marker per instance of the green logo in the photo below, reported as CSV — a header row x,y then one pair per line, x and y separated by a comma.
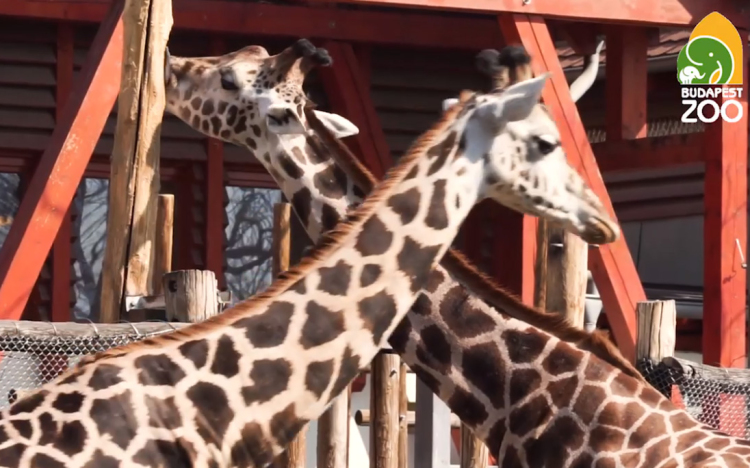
x,y
705,60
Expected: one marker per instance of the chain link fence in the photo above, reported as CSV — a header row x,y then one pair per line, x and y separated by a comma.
x,y
33,353
714,396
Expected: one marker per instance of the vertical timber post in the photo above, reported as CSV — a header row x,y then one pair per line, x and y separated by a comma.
x,y
134,181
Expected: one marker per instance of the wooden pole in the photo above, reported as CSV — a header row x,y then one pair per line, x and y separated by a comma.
x,y
294,456
403,424
191,295
384,405
134,180
567,274
657,322
162,255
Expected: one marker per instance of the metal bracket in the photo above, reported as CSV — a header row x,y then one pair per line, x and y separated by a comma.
x,y
158,302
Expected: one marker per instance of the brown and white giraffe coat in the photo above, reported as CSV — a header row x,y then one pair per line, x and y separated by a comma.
x,y
235,389
449,330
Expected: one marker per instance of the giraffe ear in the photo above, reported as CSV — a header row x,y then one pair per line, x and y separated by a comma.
x,y
282,120
341,127
515,103
448,103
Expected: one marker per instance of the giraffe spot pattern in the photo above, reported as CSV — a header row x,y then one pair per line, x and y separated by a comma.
x,y
561,391
551,448
9,456
374,238
348,370
68,402
435,344
440,152
605,438
285,425
71,439
318,376
28,404
269,328
42,460
653,424
461,317
322,325
23,426
522,383
196,351
301,202
104,376
437,216
436,278
196,103
400,336
299,287
252,449
158,369
226,358
208,107
370,273
291,169
214,413
416,262
532,414
585,408
163,412
329,217
377,313
270,377
523,346
163,453
114,417
47,428
467,407
483,368
335,280
232,115
331,182
495,439
215,124
100,460
422,306
406,205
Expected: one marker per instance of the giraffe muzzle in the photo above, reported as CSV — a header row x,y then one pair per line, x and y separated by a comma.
x,y
600,231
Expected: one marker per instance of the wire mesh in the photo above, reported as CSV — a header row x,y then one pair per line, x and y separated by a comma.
x,y
27,362
721,404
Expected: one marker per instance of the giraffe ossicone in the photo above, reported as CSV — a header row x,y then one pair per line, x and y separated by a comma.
x,y
236,388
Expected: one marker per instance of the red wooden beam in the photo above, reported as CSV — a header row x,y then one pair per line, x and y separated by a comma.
x,y
61,251
348,92
215,212
724,234
61,168
649,153
651,12
627,82
264,19
613,268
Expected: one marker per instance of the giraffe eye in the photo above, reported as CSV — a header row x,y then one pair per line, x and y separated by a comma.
x,y
546,145
228,80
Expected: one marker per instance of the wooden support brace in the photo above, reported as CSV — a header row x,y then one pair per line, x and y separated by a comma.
x,y
61,167
725,236
627,82
612,265
134,181
62,302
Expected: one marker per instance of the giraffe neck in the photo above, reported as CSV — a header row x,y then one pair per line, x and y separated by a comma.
x,y
236,388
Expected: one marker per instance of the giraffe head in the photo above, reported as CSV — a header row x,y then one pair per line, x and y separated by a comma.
x,y
525,167
248,96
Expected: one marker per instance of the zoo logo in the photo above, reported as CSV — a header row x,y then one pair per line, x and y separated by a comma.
x,y
712,54
712,58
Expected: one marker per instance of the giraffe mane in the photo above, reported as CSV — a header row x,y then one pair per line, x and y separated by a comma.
x,y
596,342
327,244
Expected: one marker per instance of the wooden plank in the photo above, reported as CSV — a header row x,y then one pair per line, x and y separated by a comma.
x,y
62,297
724,234
567,275
163,242
612,265
432,423
215,194
649,153
652,12
627,82
134,181
384,407
61,167
268,20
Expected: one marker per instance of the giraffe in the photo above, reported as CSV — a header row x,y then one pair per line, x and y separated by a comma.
x,y
463,324
235,389
536,390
